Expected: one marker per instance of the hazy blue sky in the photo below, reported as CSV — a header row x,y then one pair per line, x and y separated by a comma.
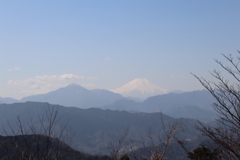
x,y
105,44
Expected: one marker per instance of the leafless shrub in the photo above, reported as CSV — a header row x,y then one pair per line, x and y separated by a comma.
x,y
46,141
159,145
226,135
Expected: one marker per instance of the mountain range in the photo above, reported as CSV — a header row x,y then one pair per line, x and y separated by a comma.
x,y
196,104
98,117
76,96
93,128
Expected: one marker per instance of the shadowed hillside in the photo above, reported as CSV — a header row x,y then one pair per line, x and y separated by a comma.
x,y
40,147
95,128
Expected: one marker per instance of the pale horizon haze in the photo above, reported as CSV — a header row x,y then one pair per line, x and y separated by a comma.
x,y
45,45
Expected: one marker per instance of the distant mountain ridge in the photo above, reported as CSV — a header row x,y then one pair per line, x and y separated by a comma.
x,y
140,88
74,95
196,105
8,100
202,98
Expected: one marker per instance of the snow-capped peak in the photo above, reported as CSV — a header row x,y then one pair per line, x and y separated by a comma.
x,y
141,88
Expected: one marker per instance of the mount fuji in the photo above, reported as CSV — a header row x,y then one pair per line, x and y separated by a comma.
x,y
140,88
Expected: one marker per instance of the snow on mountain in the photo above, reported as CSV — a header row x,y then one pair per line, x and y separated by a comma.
x,y
140,88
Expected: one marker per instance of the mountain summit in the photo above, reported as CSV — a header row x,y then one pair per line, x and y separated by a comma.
x,y
140,88
75,95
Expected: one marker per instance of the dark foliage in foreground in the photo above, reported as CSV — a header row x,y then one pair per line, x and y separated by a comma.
x,y
40,147
204,153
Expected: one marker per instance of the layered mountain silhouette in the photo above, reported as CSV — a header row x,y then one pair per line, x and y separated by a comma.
x,y
196,104
77,96
98,117
203,99
140,88
94,128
